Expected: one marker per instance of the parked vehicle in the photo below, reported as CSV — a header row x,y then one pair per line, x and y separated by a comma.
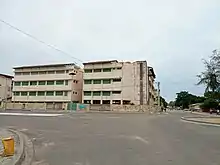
x,y
217,111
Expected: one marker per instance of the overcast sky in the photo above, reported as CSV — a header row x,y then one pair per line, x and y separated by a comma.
x,y
172,35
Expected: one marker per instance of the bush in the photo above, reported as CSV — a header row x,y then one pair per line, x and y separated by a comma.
x,y
209,104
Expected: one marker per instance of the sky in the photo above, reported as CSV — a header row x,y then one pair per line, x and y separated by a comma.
x,y
173,36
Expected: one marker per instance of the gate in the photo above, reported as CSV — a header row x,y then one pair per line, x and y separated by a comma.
x,y
72,106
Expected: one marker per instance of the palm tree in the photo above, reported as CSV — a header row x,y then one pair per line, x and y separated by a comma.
x,y
210,77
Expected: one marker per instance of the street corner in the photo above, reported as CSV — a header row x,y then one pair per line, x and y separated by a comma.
x,y
210,120
18,147
19,144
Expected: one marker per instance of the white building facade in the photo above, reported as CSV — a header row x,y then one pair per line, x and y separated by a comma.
x,y
5,87
113,82
52,84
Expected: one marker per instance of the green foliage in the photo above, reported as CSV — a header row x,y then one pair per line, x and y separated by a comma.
x,y
213,95
211,76
163,102
172,103
184,99
209,103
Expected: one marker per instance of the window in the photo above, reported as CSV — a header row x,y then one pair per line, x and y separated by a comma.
x,y
116,102
107,81
106,101
33,83
106,93
96,101
97,81
59,82
119,68
96,93
23,93
50,82
16,93
17,73
51,72
50,93
60,72
88,70
67,71
117,80
76,93
107,70
87,81
126,102
17,83
116,92
41,82
87,101
66,82
76,81
41,93
87,93
59,93
24,83
42,72
34,73
32,93
97,70
65,93
26,73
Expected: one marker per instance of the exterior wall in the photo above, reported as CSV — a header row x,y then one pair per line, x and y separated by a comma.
x,y
5,88
71,90
133,85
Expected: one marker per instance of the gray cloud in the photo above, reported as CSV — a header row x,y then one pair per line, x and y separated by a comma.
x,y
173,36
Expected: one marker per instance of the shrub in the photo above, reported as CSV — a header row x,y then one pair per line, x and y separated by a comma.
x,y
209,104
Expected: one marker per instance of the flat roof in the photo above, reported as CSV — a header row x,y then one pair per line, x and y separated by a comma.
x,y
44,65
6,75
100,62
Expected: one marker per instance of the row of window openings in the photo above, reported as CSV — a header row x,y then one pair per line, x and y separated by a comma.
x,y
124,102
105,81
101,70
43,93
100,93
44,72
34,83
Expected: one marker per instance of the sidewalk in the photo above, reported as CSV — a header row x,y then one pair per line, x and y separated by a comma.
x,y
215,120
12,159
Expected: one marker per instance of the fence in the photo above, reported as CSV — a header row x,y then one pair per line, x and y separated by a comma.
x,y
82,107
124,108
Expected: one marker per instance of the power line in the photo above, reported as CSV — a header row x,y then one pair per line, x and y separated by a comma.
x,y
38,40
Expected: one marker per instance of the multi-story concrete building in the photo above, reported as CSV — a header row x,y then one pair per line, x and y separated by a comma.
x,y
52,84
113,82
5,87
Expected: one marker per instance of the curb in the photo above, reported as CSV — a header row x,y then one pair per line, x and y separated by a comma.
x,y
202,122
21,157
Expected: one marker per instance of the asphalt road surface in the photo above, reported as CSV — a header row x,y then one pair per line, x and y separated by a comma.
x,y
118,139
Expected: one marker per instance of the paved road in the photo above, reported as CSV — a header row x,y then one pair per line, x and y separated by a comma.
x,y
125,139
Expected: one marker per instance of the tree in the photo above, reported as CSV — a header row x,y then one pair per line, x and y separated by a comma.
x,y
163,102
184,99
210,77
172,103
209,103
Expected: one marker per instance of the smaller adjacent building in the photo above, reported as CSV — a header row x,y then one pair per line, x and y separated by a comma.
x,y
53,84
5,88
114,82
